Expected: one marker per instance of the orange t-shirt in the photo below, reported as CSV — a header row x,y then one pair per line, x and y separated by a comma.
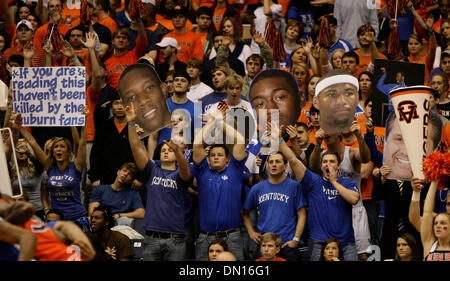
x,y
367,187
91,101
120,127
84,56
379,132
18,50
109,23
365,60
48,246
276,259
210,3
115,65
218,16
71,17
169,24
39,37
189,45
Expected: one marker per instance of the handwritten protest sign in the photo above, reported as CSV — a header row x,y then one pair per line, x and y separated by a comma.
x,y
49,96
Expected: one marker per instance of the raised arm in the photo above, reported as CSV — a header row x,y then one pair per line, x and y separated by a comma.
x,y
90,43
314,158
12,234
76,236
364,152
350,196
296,165
137,147
183,166
198,151
239,152
414,206
80,158
426,227
43,158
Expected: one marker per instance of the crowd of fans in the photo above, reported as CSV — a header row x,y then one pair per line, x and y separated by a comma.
x,y
91,192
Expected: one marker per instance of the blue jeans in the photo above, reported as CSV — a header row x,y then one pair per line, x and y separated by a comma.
x,y
158,249
234,242
349,251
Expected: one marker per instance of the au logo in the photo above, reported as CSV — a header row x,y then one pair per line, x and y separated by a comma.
x,y
407,111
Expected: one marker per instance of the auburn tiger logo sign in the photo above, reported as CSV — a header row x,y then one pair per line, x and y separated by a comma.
x,y
407,111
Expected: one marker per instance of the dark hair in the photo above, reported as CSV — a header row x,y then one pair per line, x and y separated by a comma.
x,y
313,109
204,10
369,99
282,155
331,20
411,241
236,31
75,28
329,241
227,151
328,152
20,4
121,30
139,66
53,211
17,58
351,54
372,80
107,215
364,28
220,242
196,63
255,57
106,6
301,124
130,166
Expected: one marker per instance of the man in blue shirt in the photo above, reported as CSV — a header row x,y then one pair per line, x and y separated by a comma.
x,y
165,185
281,198
220,186
125,203
330,201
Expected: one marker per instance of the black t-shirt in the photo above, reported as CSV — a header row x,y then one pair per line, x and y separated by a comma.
x,y
444,109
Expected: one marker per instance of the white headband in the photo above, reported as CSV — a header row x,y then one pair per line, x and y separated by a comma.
x,y
337,79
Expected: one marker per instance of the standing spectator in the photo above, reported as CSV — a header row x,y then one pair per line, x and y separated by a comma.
x,y
169,48
332,250
198,89
64,175
278,197
337,43
221,9
150,20
302,11
367,51
220,184
270,247
101,11
125,203
165,185
439,82
152,39
219,74
330,201
121,57
204,27
269,11
76,50
189,42
434,231
350,15
109,245
24,36
111,135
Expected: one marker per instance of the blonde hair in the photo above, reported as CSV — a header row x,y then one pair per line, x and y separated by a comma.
x,y
232,80
29,171
55,140
270,236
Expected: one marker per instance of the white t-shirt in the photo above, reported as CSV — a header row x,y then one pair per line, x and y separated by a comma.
x,y
261,20
196,92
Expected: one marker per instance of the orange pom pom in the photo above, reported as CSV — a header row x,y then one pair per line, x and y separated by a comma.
x,y
437,166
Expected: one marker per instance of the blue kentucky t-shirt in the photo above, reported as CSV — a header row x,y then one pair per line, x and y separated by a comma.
x,y
277,206
329,215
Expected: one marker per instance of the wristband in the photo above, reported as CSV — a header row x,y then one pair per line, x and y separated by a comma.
x,y
318,143
75,59
131,124
119,215
295,239
281,140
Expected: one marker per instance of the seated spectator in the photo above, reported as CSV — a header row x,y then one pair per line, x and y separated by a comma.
x,y
109,245
215,248
125,203
332,251
270,247
407,249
